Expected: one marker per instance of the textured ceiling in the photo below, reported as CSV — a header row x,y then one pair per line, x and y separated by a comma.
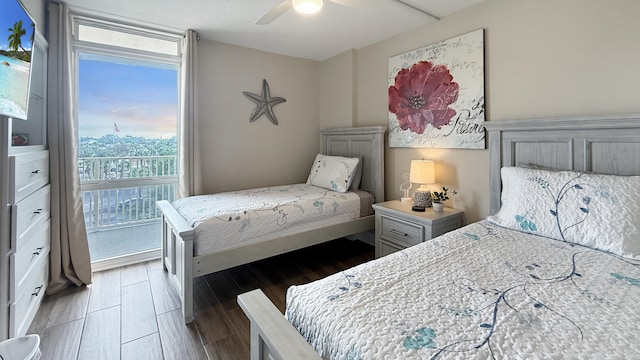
x,y
335,29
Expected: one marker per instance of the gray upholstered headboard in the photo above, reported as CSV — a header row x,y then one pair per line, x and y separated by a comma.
x,y
607,144
365,142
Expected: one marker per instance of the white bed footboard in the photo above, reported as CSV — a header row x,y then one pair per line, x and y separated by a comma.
x,y
177,254
178,259
272,336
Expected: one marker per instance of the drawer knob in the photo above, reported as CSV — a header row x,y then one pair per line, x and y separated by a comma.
x,y
38,211
38,251
398,232
36,171
36,291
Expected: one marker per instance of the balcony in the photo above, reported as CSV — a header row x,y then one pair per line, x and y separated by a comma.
x,y
119,201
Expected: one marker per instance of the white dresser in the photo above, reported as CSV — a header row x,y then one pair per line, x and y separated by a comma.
x,y
29,193
25,214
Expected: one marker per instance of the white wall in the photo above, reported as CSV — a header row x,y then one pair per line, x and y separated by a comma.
x,y
337,102
236,153
542,58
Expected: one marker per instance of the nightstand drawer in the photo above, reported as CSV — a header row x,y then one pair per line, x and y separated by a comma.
x,y
446,226
388,248
401,232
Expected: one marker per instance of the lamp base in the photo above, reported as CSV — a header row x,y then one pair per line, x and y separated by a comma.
x,y
405,199
422,198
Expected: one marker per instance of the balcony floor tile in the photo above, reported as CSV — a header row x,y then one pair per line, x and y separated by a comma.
x,y
108,243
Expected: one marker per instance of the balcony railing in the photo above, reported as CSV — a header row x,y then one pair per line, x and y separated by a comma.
x,y
120,191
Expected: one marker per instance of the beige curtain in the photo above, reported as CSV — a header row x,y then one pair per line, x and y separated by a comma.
x,y
70,262
190,175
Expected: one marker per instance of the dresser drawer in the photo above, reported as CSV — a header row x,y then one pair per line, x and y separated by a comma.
x,y
29,214
27,257
30,172
24,309
401,232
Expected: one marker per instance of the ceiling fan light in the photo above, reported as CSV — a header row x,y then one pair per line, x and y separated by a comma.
x,y
307,6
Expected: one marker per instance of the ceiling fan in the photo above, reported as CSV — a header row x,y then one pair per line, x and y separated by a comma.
x,y
301,6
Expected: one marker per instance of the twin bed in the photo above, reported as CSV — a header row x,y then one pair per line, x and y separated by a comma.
x,y
554,272
206,234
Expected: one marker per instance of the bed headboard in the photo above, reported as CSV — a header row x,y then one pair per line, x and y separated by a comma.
x,y
365,142
607,144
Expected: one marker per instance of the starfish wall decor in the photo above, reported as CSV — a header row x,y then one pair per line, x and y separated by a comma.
x,y
264,103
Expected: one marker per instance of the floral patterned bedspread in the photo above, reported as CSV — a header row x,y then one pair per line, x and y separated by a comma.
x,y
232,219
480,292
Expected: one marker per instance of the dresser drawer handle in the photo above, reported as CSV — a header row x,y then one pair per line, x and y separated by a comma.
x,y
36,171
38,211
398,232
37,290
38,251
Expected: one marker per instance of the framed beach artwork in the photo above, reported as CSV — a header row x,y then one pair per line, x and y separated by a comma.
x,y
436,95
16,41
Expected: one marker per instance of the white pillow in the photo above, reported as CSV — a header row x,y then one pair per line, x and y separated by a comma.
x,y
598,211
357,176
333,172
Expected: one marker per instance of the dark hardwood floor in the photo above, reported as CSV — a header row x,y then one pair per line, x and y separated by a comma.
x,y
134,312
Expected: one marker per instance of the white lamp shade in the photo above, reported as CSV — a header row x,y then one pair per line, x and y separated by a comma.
x,y
422,172
307,6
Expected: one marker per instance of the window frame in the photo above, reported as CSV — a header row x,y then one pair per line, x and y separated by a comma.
x,y
79,46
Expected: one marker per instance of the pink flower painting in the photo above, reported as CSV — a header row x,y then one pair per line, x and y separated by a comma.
x,y
422,95
436,95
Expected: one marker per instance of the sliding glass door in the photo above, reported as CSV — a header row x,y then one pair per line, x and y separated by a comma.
x,y
128,120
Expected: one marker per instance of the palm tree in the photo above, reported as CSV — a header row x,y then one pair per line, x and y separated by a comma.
x,y
15,36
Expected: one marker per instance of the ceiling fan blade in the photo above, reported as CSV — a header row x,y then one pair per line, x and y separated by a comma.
x,y
349,3
274,13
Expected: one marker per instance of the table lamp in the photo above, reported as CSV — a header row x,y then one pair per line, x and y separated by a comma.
x,y
422,172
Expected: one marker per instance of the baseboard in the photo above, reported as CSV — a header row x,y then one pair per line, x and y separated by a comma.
x,y
124,260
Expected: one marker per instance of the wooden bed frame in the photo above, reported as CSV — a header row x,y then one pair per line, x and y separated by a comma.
x,y
178,236
601,144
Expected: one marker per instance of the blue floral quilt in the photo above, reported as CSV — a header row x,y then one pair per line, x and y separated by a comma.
x,y
480,292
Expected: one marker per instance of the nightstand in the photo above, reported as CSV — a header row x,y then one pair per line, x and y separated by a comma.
x,y
398,227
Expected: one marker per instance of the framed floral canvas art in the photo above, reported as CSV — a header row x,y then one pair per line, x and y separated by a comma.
x,y
436,95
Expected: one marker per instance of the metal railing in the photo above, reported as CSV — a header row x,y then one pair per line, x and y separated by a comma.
x,y
120,191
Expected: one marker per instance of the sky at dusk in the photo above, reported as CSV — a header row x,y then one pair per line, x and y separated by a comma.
x,y
12,12
140,100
